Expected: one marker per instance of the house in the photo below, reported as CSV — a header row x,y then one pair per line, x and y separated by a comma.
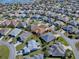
x,y
13,23
5,23
60,0
15,32
4,31
22,25
36,17
73,23
47,37
39,29
25,50
77,32
57,50
39,56
58,23
64,19
69,29
24,36
33,45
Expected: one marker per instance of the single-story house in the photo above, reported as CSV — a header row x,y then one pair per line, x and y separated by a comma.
x,y
5,23
33,45
39,29
58,23
4,31
26,50
57,50
64,19
48,36
73,23
77,32
60,0
13,23
39,56
36,17
69,29
22,25
24,36
15,32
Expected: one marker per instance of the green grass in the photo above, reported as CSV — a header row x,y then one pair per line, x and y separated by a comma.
x,y
52,58
69,52
4,52
6,38
19,57
60,39
19,47
35,53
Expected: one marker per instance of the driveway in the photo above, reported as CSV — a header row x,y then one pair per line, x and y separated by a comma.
x,y
11,48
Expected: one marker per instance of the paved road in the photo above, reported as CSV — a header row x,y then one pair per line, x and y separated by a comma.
x,y
71,43
11,48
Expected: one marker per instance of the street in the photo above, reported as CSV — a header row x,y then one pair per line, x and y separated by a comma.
x,y
12,49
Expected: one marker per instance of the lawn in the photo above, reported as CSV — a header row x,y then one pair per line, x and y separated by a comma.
x,y
53,58
4,52
19,57
77,45
69,53
60,39
19,47
35,53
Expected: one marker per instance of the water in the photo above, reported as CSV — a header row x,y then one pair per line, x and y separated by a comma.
x,y
15,1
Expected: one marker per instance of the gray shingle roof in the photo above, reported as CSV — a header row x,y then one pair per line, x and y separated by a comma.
x,y
48,37
56,50
25,35
15,32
